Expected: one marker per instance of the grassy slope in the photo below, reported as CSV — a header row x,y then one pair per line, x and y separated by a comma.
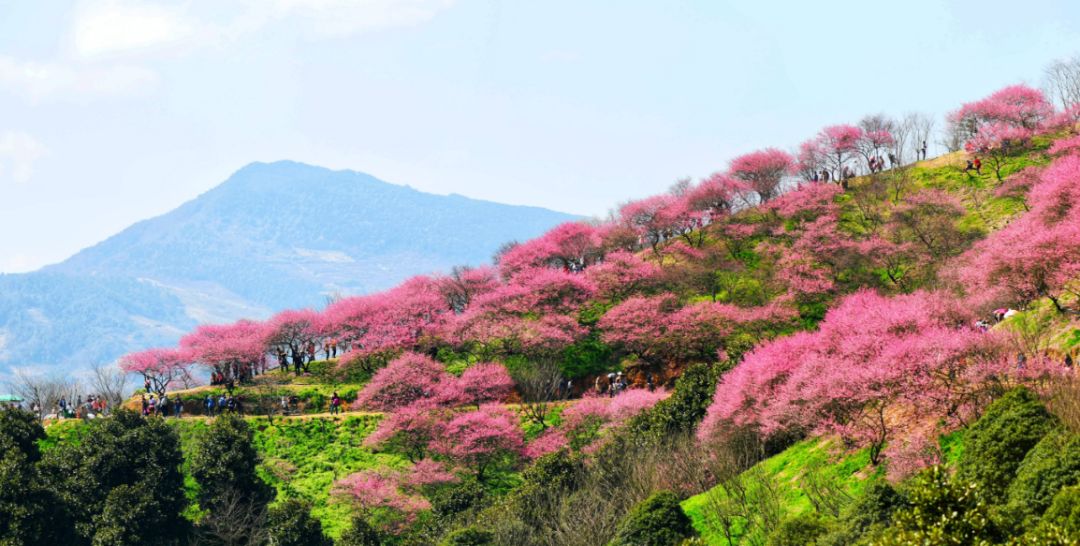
x,y
850,472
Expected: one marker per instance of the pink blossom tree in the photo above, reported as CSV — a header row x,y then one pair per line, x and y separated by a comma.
x,y
464,284
481,439
158,367
408,430
763,171
621,274
997,141
570,246
838,144
228,349
1018,106
405,380
292,331
479,384
717,196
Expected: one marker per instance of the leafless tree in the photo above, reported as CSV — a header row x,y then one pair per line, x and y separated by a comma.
x,y
110,382
953,135
235,521
43,392
1061,81
539,387
922,126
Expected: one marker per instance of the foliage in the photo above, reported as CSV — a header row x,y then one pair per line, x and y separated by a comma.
x,y
658,520
469,536
360,533
802,530
224,463
1052,464
942,511
108,477
290,524
995,446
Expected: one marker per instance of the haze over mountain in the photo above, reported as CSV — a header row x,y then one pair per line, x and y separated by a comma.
x,y
272,236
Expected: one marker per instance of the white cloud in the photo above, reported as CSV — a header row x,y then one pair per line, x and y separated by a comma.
x,y
106,28
37,81
18,152
336,17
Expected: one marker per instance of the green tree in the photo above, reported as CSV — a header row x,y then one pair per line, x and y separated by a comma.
x,y
122,480
801,530
29,512
996,444
290,524
1052,464
942,511
866,515
360,533
656,521
224,463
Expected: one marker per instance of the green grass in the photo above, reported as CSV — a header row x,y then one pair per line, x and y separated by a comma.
x,y
850,472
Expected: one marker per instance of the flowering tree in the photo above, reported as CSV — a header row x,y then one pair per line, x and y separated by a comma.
x,y
478,384
716,196
838,144
621,274
158,367
381,325
763,171
570,246
228,349
873,143
871,357
1037,255
929,218
464,284
408,430
480,439
291,331
1017,106
405,380
996,141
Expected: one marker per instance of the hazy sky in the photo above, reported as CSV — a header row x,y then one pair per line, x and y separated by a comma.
x,y
116,111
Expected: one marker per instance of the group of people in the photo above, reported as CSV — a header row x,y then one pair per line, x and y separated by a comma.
x,y
162,405
216,406
93,406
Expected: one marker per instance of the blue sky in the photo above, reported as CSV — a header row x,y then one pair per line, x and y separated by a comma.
x,y
116,111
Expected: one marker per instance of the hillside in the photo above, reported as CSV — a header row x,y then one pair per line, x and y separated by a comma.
x,y
272,236
781,353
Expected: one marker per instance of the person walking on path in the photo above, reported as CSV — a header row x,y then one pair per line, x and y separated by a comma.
x,y
978,166
335,403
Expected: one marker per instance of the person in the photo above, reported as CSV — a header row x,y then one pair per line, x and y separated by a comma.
x,y
221,404
63,405
970,166
311,352
892,160
599,384
178,408
145,406
1068,361
326,350
209,404
284,404
649,383
165,405
569,388
924,150
978,166
335,401
153,405
146,384
333,348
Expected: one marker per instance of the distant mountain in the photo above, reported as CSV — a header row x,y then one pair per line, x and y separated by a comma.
x,y
272,236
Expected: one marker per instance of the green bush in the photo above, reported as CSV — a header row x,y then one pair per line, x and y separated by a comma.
x,y
801,530
683,410
1063,516
997,443
869,513
469,536
1052,464
290,524
587,357
360,533
942,510
656,521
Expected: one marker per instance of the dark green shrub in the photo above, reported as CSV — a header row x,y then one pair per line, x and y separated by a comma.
x,y
23,431
360,533
224,463
997,443
469,536
683,410
802,530
125,467
942,510
29,512
867,514
1063,516
451,500
1052,464
290,524
587,357
656,521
